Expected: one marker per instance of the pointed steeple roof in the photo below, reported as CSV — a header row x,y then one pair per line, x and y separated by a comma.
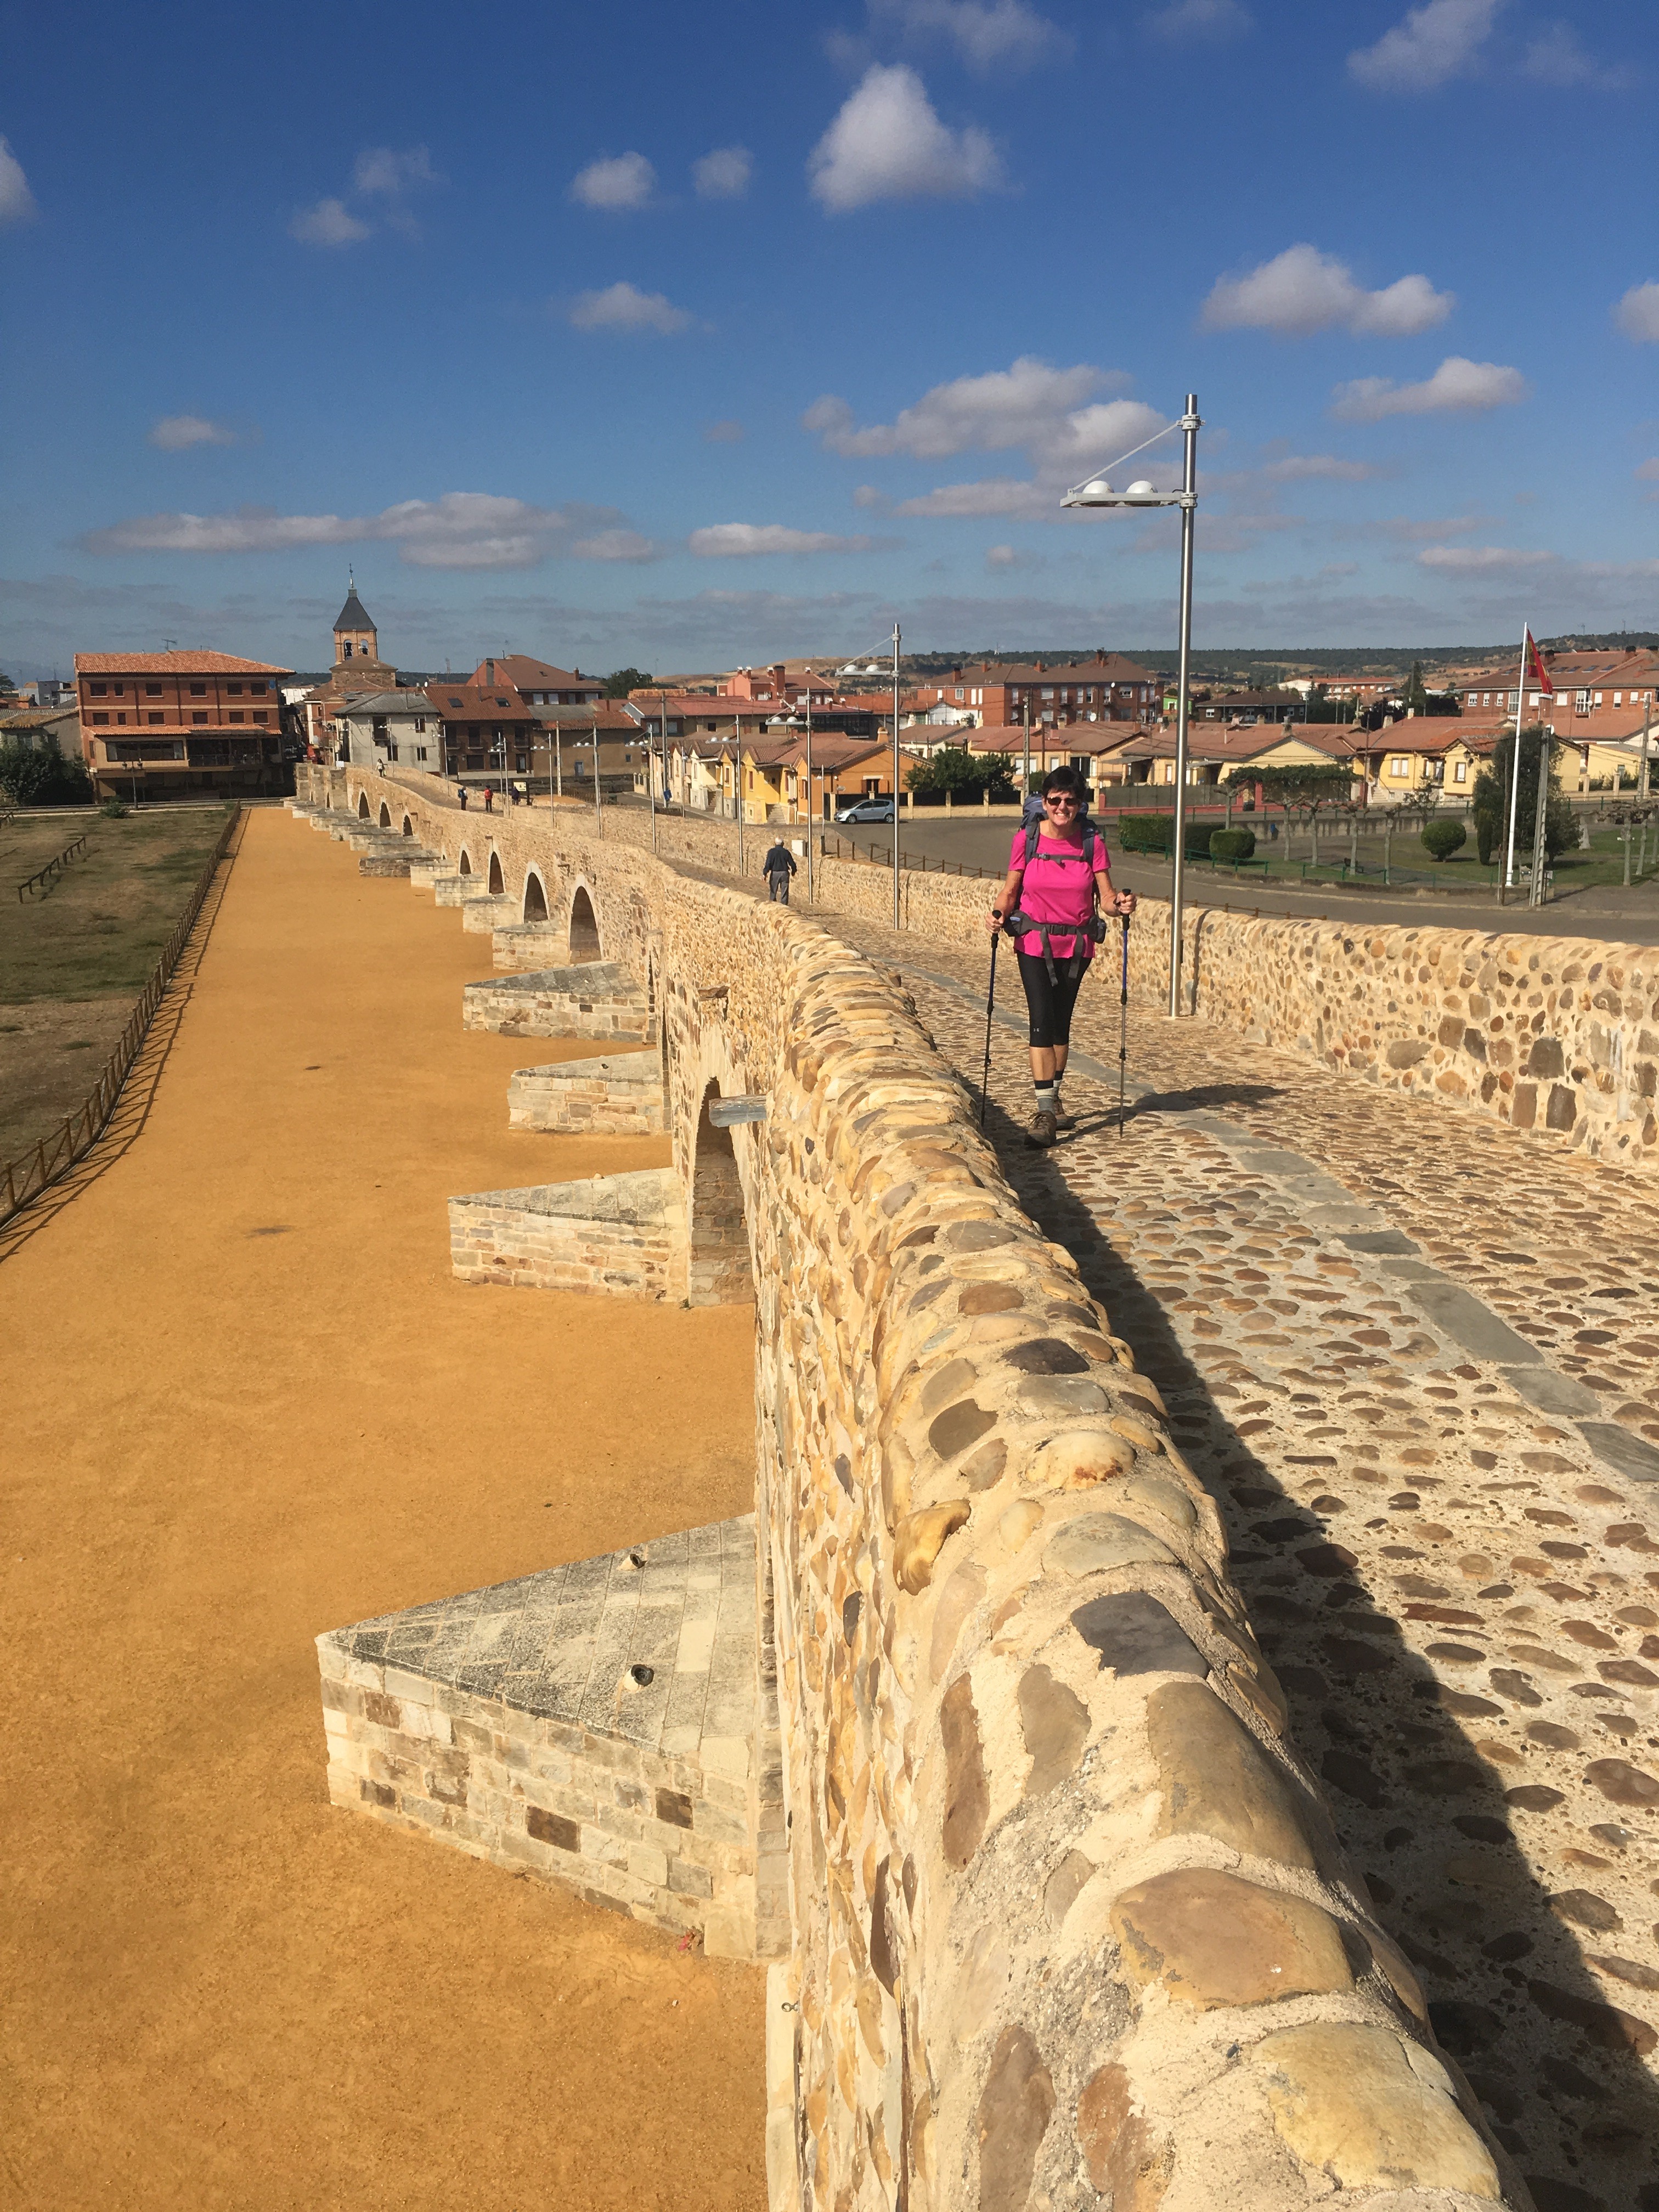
x,y
353,614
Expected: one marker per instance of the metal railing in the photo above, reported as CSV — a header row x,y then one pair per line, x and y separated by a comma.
x,y
23,1180
922,864
47,876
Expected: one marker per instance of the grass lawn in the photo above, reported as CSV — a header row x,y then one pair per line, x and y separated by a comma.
x,y
1410,865
74,957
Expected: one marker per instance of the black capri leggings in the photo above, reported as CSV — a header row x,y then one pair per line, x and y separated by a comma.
x,y
1050,1004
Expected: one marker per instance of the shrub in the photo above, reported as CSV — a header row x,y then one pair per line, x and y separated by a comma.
x,y
1442,839
1155,833
115,808
1232,844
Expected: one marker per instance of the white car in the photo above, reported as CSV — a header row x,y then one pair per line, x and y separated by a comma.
x,y
872,809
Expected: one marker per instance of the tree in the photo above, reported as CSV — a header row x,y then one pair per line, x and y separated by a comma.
x,y
965,775
1490,802
1310,783
38,775
622,681
1415,698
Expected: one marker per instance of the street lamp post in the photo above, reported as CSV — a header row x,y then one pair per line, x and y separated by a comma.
x,y
896,775
1096,492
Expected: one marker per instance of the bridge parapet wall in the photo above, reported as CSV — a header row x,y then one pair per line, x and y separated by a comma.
x,y
1069,1922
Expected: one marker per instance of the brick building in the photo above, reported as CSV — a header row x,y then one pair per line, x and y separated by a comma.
x,y
1106,688
358,668
162,725
537,683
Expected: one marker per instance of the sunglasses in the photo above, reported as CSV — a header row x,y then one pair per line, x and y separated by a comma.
x,y
1060,798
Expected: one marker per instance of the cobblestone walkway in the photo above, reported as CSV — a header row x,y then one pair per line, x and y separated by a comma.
x,y
1416,1356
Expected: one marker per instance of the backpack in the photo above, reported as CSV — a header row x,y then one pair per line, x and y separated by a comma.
x,y
1031,820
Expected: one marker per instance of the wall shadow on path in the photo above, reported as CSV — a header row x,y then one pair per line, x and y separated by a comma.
x,y
1421,1812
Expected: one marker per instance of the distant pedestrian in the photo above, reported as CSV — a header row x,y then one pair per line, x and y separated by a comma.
x,y
490,798
463,789
778,866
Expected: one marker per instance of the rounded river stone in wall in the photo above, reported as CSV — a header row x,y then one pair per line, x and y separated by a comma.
x,y
1095,1542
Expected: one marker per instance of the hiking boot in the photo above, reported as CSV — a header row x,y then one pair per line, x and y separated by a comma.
x,y
1043,1130
1062,1119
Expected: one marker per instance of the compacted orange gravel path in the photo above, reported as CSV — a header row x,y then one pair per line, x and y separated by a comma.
x,y
245,1402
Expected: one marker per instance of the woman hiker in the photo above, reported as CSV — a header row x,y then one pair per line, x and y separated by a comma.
x,y
1056,872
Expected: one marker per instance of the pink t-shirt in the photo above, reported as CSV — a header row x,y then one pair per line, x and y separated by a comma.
x,y
1057,886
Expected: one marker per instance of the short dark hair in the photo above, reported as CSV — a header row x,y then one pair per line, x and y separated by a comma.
x,y
1064,779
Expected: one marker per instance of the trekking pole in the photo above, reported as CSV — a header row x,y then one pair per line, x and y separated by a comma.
x,y
1123,1029
990,1001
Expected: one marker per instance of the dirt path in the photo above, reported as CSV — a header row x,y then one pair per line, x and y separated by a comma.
x,y
246,1401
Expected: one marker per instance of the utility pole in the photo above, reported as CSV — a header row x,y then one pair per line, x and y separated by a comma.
x,y
651,766
598,812
1535,896
896,775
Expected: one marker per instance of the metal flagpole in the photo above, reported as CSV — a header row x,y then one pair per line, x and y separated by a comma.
x,y
737,721
599,816
651,765
812,819
896,775
1190,427
1515,779
1026,792
1647,719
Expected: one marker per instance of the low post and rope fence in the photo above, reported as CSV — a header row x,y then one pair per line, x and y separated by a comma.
x,y
47,876
23,1180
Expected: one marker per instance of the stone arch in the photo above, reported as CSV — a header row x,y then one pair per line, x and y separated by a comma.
x,y
584,927
497,880
385,816
362,807
535,898
719,1272
408,829
464,865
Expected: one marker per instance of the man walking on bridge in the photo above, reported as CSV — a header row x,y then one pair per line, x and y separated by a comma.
x,y
779,866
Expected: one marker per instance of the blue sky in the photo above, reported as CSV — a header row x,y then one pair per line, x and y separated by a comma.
x,y
685,337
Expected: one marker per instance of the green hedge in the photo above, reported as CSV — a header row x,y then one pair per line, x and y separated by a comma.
x,y
1232,844
1155,833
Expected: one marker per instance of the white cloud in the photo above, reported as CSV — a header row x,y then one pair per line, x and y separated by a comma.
x,y
887,144
16,200
1457,385
1555,58
1637,313
1301,468
1185,21
1006,35
615,184
1479,560
1049,412
728,433
1648,472
738,540
1000,559
380,171
616,545
461,529
624,307
176,433
724,175
1301,290
1433,45
330,222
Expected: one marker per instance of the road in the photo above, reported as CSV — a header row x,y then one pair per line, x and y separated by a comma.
x,y
1630,917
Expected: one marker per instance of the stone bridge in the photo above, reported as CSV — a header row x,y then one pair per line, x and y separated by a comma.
x,y
968,1730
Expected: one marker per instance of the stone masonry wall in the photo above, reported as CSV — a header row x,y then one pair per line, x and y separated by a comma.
x,y
620,1095
1069,1922
622,1235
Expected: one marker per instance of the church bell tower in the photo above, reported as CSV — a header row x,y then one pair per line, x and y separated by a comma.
x,y
355,635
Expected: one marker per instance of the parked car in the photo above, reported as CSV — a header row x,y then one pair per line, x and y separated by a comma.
x,y
865,810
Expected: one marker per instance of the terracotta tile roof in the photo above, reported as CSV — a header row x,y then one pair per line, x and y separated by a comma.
x,y
173,664
833,753
465,702
524,674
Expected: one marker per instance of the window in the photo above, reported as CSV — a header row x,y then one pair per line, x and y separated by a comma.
x,y
1048,691
260,715
197,690
1460,772
198,718
234,690
420,752
235,714
121,693
100,690
419,729
346,655
121,719
98,721
152,690
1399,765
153,719
1618,698
258,690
